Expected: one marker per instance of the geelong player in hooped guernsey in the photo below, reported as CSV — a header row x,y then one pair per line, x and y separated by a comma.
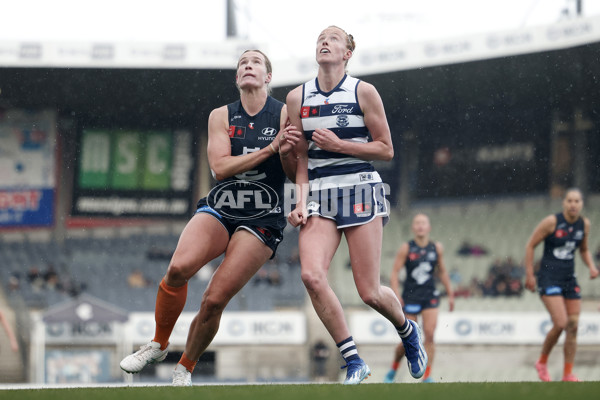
x,y
343,187
562,234
345,128
337,110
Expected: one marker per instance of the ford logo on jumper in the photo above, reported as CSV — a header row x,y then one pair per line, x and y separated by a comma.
x,y
243,199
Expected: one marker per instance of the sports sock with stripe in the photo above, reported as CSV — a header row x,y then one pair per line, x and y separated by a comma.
x,y
405,330
348,349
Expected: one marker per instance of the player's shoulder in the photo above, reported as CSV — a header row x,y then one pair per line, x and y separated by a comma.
x,y
365,87
586,222
367,93
548,224
219,113
295,93
219,110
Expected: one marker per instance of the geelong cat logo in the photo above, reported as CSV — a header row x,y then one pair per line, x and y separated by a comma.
x,y
243,200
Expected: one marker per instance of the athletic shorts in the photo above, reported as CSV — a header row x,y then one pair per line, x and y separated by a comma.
x,y
350,205
552,286
416,305
271,235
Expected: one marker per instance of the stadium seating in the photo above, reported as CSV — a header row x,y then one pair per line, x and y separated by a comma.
x,y
502,226
99,263
100,266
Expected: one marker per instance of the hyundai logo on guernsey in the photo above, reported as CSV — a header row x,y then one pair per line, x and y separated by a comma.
x,y
268,134
255,198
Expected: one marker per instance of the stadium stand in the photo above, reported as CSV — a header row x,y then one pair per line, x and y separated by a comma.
x,y
12,368
502,226
47,273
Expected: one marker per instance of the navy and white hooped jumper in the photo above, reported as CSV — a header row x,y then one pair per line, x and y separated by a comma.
x,y
340,112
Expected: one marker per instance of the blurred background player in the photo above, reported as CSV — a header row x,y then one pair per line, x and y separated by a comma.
x,y
563,234
236,155
338,114
14,344
423,259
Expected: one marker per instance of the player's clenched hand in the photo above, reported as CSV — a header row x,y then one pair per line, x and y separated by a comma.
x,y
530,282
287,139
594,272
298,216
326,140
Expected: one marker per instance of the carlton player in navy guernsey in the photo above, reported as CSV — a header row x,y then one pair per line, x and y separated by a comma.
x,y
345,128
424,260
563,234
242,216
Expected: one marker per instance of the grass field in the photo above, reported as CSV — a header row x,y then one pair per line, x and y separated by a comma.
x,y
438,391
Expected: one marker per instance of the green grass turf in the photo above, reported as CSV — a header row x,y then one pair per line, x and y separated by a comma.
x,y
438,391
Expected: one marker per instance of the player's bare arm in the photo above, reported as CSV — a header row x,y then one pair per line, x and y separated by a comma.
x,y
398,265
298,216
285,142
544,228
586,254
380,148
444,276
222,163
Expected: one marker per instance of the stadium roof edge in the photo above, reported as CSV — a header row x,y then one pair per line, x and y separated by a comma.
x,y
452,50
224,55
148,55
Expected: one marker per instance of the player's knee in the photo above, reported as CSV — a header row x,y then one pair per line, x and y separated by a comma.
x,y
572,325
314,282
560,325
213,304
177,274
371,298
428,337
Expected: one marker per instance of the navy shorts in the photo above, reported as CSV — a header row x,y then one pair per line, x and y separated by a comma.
x,y
416,305
350,205
270,234
552,286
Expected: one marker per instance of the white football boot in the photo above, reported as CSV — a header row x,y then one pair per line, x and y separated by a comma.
x,y
181,376
147,354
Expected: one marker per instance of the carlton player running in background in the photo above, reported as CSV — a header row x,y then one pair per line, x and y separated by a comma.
x,y
563,234
423,259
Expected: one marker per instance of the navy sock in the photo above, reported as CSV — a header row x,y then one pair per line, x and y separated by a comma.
x,y
405,330
348,349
